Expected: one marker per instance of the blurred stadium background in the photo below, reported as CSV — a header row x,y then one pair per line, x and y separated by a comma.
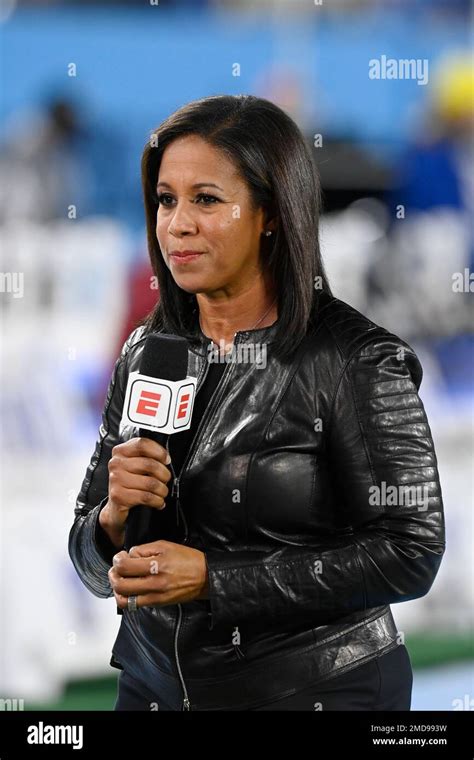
x,y
82,86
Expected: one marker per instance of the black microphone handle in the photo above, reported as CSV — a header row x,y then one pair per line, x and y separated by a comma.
x,y
138,519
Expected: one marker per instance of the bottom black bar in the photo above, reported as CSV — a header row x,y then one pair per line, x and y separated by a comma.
x,y
85,734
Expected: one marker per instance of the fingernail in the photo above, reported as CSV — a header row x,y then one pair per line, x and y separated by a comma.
x,y
168,459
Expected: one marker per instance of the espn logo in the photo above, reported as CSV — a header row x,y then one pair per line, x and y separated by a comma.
x,y
149,401
160,405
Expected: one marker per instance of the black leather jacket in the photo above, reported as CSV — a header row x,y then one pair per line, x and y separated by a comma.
x,y
288,488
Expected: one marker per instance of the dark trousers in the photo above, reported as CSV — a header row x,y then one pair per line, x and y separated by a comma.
x,y
383,683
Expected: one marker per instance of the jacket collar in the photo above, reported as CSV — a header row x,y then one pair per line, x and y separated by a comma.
x,y
259,335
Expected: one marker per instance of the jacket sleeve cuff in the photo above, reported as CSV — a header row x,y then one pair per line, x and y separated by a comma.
x,y
97,553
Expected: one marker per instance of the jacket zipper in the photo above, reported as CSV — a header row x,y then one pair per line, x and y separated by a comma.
x,y
175,492
186,702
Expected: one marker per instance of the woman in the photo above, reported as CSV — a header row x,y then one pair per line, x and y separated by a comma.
x,y
305,498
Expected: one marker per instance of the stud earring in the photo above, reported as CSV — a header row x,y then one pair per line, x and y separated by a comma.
x,y
267,232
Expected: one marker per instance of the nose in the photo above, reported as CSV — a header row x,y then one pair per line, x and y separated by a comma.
x,y
181,222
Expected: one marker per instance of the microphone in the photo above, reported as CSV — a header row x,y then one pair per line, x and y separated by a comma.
x,y
159,398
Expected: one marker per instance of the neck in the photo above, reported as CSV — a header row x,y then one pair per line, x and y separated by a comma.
x,y
222,317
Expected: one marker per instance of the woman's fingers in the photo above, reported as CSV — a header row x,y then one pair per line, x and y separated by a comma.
x,y
147,466
131,497
128,567
149,550
138,482
142,447
144,600
151,583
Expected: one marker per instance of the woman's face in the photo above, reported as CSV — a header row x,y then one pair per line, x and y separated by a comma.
x,y
205,206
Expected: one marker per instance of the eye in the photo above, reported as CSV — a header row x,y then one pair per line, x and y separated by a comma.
x,y
165,199
161,199
208,199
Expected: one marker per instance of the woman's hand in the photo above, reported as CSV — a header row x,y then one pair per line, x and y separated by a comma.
x,y
159,573
137,475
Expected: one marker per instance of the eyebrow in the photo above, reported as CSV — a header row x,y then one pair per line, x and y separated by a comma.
x,y
194,187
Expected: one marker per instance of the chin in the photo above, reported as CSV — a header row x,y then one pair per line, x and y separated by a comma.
x,y
190,288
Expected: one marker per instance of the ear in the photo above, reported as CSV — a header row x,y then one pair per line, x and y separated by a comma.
x,y
271,219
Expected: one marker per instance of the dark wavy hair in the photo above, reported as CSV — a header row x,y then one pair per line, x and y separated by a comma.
x,y
271,155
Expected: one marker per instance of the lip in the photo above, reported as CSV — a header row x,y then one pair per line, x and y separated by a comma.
x,y
181,256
